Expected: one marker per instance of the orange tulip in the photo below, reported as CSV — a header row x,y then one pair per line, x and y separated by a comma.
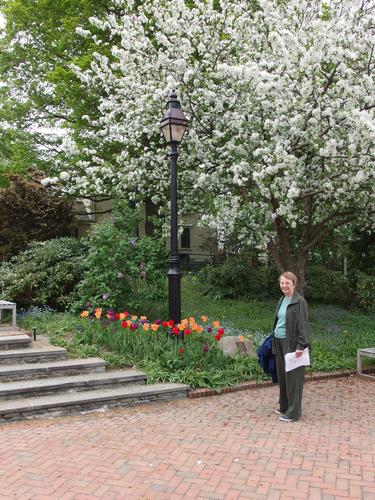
x,y
216,324
204,319
154,327
98,312
146,327
84,314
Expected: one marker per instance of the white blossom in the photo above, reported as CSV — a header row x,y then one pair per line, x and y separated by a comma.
x,y
280,103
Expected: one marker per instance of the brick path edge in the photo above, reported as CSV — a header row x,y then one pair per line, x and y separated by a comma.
x,y
245,386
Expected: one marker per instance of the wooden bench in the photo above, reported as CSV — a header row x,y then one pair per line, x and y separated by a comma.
x,y
4,304
368,352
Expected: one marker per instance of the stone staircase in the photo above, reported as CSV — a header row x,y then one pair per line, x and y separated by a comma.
x,y
37,379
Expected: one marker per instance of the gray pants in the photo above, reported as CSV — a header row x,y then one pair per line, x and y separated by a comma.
x,y
290,383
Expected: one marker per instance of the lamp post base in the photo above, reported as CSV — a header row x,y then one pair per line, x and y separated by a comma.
x,y
174,290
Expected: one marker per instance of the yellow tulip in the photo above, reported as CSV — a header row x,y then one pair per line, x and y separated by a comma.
x,y
146,327
134,318
204,319
122,316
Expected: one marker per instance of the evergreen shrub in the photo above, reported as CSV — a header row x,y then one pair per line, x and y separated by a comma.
x,y
365,292
239,276
325,286
44,274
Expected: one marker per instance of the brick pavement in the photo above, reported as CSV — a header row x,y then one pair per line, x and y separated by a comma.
x,y
225,447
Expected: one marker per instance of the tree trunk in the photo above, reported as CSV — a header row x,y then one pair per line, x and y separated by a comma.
x,y
151,211
301,264
285,259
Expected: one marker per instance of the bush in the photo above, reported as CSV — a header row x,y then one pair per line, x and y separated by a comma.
x,y
44,274
239,277
365,291
327,287
121,270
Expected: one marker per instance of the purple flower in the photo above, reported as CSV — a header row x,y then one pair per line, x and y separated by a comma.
x,y
157,321
209,329
205,348
120,275
133,242
111,314
105,296
88,305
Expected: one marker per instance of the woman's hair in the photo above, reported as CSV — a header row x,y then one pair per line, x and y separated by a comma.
x,y
289,276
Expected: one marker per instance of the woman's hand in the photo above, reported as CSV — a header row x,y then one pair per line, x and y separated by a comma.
x,y
299,354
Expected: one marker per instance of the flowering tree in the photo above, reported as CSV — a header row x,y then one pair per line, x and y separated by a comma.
x,y
280,96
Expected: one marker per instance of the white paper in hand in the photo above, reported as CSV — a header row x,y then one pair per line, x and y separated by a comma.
x,y
292,362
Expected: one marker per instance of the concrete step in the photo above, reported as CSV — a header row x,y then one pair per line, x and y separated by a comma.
x,y
32,355
74,383
14,341
28,371
68,403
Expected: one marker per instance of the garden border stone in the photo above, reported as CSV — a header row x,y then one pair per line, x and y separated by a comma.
x,y
244,386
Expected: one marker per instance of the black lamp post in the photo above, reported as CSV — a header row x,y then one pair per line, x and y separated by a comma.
x,y
173,126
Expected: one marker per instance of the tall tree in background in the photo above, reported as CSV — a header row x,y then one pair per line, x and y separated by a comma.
x,y
41,96
31,212
281,96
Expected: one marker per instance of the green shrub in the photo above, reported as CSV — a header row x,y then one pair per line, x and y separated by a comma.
x,y
238,277
44,274
121,270
365,291
327,287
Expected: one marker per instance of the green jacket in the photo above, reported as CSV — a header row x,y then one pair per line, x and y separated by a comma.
x,y
297,319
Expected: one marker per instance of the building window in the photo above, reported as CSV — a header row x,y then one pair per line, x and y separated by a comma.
x,y
185,238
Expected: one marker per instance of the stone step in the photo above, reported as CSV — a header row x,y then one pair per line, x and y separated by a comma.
x,y
73,383
69,403
14,341
12,373
32,355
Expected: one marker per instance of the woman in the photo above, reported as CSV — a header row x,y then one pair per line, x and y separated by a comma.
x,y
290,335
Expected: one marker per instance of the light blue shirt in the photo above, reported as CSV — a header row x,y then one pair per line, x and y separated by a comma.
x,y
280,328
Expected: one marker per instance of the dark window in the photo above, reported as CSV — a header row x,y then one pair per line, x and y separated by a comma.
x,y
185,238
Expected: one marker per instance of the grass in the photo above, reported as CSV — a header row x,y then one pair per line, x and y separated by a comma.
x,y
336,335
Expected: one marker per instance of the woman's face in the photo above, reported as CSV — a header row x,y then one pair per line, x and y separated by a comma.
x,y
287,286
